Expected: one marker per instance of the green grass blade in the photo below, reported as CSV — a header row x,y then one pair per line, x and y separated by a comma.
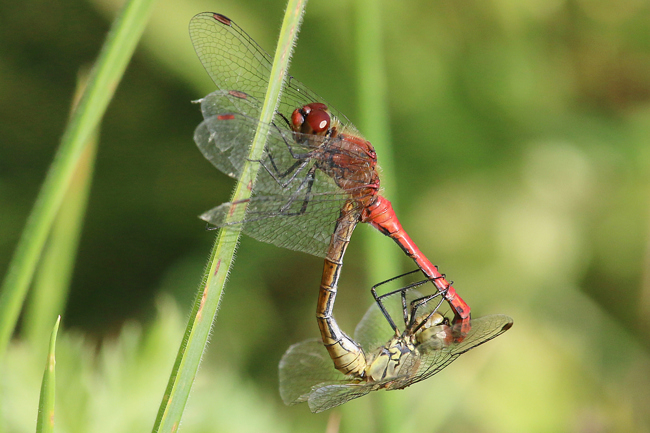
x,y
221,258
45,421
372,92
52,279
105,76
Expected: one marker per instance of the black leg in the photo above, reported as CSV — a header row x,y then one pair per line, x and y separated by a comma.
x,y
297,167
308,182
379,299
409,313
417,303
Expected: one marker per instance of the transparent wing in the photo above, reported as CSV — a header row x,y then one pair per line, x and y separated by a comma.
x,y
373,330
226,144
306,373
292,206
329,396
235,61
326,396
309,231
303,367
294,203
433,359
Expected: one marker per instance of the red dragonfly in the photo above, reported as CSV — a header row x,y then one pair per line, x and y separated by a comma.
x,y
318,176
391,359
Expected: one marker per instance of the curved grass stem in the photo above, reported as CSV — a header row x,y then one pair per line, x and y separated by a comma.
x,y
221,258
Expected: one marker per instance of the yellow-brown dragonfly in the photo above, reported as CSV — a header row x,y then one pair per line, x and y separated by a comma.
x,y
389,358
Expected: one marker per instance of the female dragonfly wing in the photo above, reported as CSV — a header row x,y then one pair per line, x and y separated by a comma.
x,y
427,360
305,366
373,330
306,373
329,396
435,356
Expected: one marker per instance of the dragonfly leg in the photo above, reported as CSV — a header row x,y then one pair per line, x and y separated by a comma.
x,y
283,117
278,177
408,313
296,196
308,182
382,216
380,304
417,303
302,160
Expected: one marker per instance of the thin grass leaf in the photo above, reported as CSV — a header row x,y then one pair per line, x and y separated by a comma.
x,y
45,421
52,279
221,258
106,74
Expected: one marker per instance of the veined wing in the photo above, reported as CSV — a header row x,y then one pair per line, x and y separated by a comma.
x,y
328,395
307,375
304,367
229,126
226,144
235,61
373,330
264,219
294,204
433,359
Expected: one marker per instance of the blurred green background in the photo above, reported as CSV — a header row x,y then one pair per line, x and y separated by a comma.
x,y
521,134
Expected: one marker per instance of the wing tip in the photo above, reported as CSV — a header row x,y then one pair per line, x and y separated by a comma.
x,y
222,19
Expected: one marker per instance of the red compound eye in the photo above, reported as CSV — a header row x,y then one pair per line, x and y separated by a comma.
x,y
315,106
297,119
319,120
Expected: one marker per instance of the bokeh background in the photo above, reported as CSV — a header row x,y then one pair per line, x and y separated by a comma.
x,y
520,133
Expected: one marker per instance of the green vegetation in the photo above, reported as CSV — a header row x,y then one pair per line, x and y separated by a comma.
x,y
520,136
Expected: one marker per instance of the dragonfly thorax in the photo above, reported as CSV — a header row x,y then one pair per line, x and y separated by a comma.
x,y
389,359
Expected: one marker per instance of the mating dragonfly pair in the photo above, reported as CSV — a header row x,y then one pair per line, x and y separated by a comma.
x,y
318,179
395,357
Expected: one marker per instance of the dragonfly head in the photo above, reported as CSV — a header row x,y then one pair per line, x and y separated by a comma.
x,y
429,320
312,118
435,332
